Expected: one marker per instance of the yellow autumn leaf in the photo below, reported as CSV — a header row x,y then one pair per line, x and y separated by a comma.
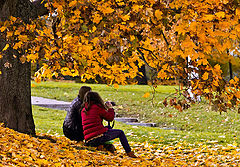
x,y
146,95
215,83
238,11
17,32
125,17
220,14
108,10
193,26
9,34
232,81
202,61
33,85
6,47
217,68
3,28
37,79
120,2
73,3
95,40
66,71
23,38
94,29
97,18
17,45
205,76
225,1
29,145
158,14
131,24
206,91
236,79
116,86
132,37
237,94
238,28
13,18
162,74
136,8
208,17
32,57
23,59
37,48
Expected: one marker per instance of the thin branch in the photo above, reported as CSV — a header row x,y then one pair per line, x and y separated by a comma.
x,y
149,51
165,39
143,58
153,94
175,93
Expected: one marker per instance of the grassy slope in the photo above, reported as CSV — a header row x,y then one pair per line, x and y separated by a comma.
x,y
197,124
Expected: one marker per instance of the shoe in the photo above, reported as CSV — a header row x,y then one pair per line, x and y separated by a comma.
x,y
110,147
131,154
100,148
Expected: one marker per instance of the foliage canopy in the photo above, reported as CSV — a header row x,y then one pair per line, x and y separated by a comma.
x,y
111,39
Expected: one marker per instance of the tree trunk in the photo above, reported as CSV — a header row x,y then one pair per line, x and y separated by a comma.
x,y
15,86
142,80
15,96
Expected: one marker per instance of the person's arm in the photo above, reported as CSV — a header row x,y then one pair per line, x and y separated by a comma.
x,y
107,115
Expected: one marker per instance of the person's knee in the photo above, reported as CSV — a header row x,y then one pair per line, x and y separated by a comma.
x,y
117,132
120,131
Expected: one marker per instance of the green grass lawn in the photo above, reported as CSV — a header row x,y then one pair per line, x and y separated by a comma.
x,y
195,125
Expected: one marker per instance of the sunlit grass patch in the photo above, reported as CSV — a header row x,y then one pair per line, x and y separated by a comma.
x,y
198,118
50,121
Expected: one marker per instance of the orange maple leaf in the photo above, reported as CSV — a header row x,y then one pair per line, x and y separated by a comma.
x,y
146,95
205,76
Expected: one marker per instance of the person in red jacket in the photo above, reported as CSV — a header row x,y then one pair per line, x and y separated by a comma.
x,y
95,133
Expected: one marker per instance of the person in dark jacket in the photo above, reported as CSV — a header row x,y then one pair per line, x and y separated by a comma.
x,y
95,133
72,125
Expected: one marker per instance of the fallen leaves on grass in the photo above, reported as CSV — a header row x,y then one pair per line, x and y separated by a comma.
x,y
17,149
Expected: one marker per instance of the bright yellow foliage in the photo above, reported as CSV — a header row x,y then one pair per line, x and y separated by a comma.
x,y
205,76
18,149
6,47
112,39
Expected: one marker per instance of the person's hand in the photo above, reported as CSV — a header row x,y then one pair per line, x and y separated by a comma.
x,y
108,104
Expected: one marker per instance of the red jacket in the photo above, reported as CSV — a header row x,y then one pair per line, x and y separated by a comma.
x,y
92,121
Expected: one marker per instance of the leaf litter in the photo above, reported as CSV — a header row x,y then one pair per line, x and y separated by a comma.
x,y
18,149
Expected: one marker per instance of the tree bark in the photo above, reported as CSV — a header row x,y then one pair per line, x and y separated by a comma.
x,y
15,86
142,80
15,97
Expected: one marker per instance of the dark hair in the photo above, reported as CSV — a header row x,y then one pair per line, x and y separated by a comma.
x,y
92,98
82,91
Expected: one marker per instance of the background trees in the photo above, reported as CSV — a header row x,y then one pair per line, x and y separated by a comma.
x,y
112,39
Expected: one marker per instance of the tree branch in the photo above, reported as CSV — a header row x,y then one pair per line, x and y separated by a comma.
x,y
143,58
165,39
148,51
153,94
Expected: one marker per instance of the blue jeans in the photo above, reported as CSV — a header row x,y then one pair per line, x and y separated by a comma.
x,y
110,135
